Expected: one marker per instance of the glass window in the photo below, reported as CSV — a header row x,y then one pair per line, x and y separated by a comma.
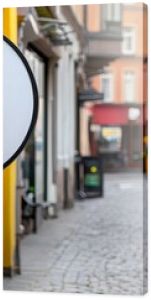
x,y
107,87
34,150
128,45
129,87
110,139
113,12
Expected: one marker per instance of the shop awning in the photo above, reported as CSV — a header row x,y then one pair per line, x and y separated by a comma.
x,y
115,114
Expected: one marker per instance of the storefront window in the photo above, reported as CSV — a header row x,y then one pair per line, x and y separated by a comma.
x,y
110,139
33,157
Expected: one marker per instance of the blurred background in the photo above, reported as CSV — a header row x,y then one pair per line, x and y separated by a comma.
x,y
90,140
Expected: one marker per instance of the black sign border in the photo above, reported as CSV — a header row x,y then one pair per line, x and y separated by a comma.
x,y
35,99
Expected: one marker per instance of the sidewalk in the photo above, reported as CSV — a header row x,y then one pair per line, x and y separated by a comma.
x,y
96,247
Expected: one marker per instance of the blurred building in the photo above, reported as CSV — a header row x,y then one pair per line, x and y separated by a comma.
x,y
103,45
116,127
51,53
43,180
65,46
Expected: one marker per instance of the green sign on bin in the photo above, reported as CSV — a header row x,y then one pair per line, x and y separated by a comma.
x,y
93,176
92,180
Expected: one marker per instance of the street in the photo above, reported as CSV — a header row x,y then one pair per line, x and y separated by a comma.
x,y
96,247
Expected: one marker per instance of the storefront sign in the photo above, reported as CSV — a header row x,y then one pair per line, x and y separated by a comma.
x,y
20,101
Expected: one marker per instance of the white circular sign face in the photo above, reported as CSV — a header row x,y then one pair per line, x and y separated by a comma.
x,y
133,113
20,101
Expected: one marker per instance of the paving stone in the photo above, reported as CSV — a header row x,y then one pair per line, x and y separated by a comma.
x,y
97,247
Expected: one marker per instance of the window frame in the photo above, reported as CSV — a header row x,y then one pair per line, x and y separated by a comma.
x,y
109,76
132,50
134,89
111,12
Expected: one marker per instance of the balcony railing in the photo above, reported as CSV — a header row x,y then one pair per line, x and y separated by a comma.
x,y
103,46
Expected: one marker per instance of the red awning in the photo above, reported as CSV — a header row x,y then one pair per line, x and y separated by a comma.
x,y
111,114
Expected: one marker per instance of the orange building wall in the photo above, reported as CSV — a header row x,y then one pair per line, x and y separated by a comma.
x,y
85,113
96,81
131,17
118,68
134,18
94,17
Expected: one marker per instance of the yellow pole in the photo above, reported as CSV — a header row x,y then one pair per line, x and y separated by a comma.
x,y
9,178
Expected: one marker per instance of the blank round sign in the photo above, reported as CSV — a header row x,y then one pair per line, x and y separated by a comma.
x,y
20,101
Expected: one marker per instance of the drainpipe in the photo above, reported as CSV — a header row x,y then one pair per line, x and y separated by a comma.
x,y
9,175
20,187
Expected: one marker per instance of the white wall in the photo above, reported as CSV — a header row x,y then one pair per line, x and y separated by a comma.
x,y
66,110
51,188
65,133
66,101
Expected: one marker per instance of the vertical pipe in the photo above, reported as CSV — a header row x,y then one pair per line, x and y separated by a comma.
x,y
9,178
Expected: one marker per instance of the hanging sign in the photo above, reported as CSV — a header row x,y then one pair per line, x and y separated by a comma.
x,y
20,101
89,95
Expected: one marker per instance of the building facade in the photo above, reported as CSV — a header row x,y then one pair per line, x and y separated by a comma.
x,y
43,179
124,85
64,51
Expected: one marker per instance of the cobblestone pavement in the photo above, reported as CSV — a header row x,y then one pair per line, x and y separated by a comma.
x,y
96,247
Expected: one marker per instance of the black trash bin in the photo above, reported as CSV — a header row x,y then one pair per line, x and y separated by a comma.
x,y
92,176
